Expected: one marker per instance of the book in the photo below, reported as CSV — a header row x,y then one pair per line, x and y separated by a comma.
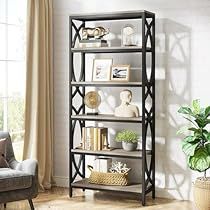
x,y
96,165
102,164
94,138
100,140
105,164
83,138
93,43
89,138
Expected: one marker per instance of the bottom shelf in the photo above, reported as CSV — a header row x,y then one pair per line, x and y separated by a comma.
x,y
133,188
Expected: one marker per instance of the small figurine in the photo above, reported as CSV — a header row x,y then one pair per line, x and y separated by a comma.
x,y
96,33
126,109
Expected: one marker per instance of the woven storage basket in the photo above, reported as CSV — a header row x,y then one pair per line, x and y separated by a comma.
x,y
107,178
201,191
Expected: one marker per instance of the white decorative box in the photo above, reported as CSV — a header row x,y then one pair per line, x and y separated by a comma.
x,y
102,164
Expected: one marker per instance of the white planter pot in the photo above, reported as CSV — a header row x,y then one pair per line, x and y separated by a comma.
x,y
129,146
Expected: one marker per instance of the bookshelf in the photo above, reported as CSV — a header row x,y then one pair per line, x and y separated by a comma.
x,y
78,117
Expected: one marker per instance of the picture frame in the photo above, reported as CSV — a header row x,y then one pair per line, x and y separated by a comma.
x,y
101,69
120,73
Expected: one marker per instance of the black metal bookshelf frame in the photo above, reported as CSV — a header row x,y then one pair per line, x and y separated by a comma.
x,y
147,120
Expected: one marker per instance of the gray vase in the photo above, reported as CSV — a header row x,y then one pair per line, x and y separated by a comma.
x,y
129,146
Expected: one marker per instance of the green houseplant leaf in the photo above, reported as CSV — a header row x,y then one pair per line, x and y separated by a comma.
x,y
196,130
189,148
207,111
196,106
200,161
191,139
208,148
207,136
182,130
185,110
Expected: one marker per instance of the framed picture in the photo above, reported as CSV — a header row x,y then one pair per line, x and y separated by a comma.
x,y
120,72
101,69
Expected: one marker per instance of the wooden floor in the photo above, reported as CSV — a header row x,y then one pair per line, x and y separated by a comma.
x,y
57,199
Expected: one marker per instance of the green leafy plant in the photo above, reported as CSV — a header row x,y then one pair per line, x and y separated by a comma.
x,y
128,136
197,145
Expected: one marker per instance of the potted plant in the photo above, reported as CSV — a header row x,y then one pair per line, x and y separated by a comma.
x,y
196,146
128,138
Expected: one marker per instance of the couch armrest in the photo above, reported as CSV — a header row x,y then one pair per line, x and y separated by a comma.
x,y
13,163
28,166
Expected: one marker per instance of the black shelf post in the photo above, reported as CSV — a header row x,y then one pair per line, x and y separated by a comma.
x,y
70,105
143,197
83,109
153,107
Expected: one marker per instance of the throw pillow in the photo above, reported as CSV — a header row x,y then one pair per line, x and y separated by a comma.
x,y
3,162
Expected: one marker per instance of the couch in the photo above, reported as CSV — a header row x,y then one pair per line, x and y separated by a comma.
x,y
20,180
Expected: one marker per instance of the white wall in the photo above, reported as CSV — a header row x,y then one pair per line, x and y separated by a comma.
x,y
182,74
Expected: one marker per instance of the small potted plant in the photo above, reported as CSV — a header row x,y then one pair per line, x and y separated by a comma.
x,y
128,138
196,146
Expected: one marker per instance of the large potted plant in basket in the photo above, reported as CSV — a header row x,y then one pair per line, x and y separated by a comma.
x,y
196,146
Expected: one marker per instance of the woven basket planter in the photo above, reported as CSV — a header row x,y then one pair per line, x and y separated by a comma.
x,y
201,191
107,178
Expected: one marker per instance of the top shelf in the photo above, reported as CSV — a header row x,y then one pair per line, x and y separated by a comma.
x,y
112,16
135,49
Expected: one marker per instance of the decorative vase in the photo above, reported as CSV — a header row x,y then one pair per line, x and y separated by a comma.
x,y
201,191
129,146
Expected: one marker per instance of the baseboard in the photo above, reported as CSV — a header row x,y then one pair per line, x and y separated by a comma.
x,y
61,181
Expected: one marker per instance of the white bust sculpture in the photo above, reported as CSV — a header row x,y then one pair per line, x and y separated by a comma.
x,y
126,109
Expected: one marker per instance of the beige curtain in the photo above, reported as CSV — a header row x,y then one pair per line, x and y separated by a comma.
x,y
39,89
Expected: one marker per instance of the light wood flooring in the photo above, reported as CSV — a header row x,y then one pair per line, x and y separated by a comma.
x,y
57,199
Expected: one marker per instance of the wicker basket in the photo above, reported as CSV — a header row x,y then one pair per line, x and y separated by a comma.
x,y
201,190
107,178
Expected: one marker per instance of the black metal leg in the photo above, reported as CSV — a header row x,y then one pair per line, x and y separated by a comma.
x,y
143,199
31,204
5,205
153,192
70,192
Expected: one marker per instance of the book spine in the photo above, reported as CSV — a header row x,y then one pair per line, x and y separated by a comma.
x,y
89,138
93,41
84,138
99,139
84,45
97,164
95,139
105,164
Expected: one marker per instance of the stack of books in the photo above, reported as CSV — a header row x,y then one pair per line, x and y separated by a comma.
x,y
93,43
102,164
94,138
